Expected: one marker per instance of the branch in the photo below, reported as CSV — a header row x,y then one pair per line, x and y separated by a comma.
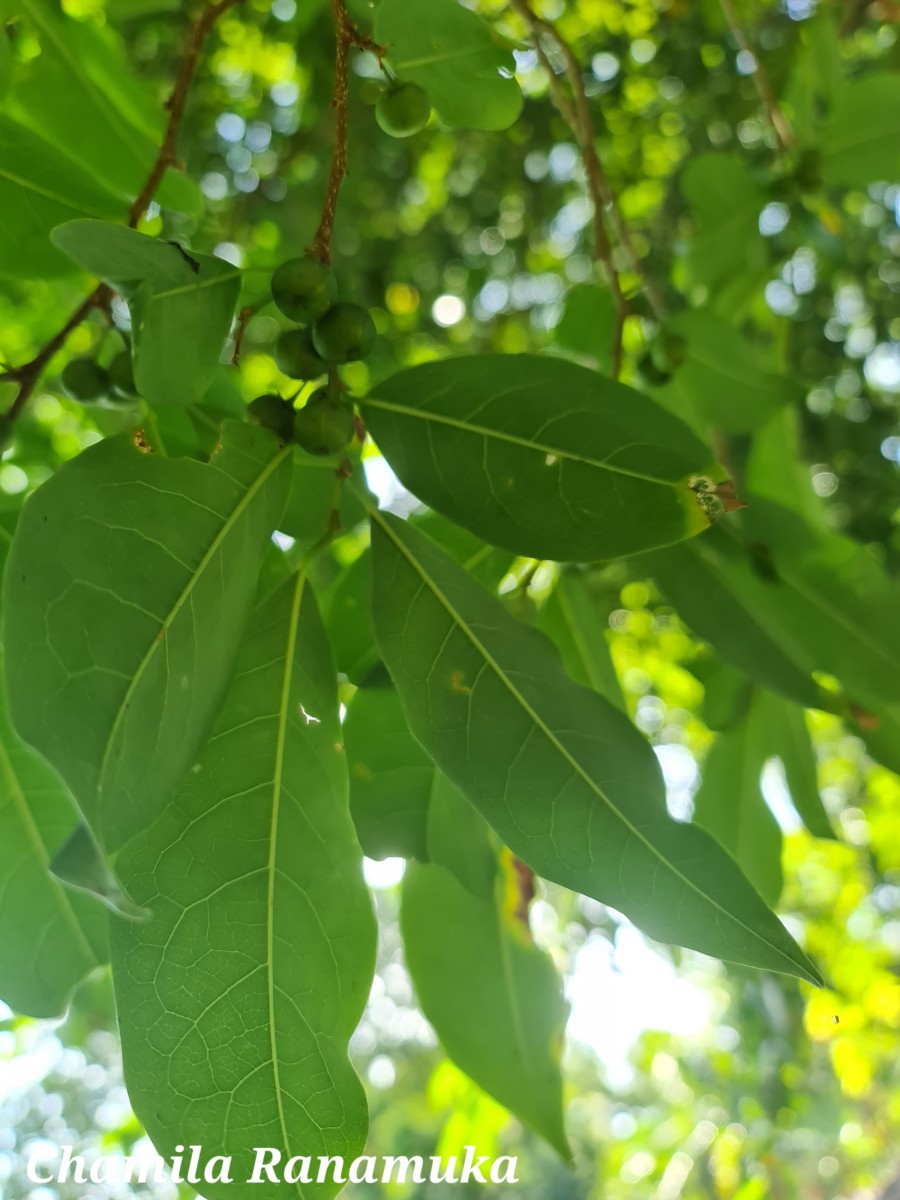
x,y
176,105
784,134
345,35
28,375
577,113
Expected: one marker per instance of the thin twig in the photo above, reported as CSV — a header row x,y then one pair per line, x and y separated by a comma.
x,y
783,132
345,35
176,104
577,113
243,320
28,375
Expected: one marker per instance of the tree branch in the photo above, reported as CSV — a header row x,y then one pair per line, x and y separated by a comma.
x,y
28,375
176,105
345,35
577,113
784,134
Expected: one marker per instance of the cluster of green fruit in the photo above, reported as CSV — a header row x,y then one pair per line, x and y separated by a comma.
x,y
331,332
85,380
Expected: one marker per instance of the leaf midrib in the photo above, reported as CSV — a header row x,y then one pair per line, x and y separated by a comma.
x,y
30,186
513,440
159,637
278,775
561,749
214,281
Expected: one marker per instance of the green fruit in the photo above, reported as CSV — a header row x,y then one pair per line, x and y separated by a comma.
x,y
84,380
304,289
323,425
121,375
296,355
345,334
403,110
272,412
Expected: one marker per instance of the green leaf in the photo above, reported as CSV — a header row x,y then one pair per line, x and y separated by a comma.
x,y
787,737
483,562
391,777
237,1000
775,468
50,937
832,599
39,188
80,94
80,864
588,323
713,583
726,202
541,456
726,692
782,598
562,776
453,54
5,64
181,305
720,379
127,588
730,805
861,140
493,997
576,623
314,489
348,618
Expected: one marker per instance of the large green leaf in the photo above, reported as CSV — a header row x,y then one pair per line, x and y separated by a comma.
x,y
454,55
391,777
786,735
861,140
730,805
493,997
5,65
560,773
782,598
576,622
713,583
181,305
80,94
347,610
50,937
720,378
238,998
541,456
588,322
126,591
726,202
39,188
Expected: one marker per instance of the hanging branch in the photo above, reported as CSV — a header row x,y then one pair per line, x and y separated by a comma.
x,y
28,374
577,113
784,134
345,35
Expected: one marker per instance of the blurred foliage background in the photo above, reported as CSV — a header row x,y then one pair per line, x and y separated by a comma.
x,y
685,1079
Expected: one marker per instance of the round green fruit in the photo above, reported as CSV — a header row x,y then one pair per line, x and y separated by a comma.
x,y
304,289
121,375
272,412
346,333
323,425
84,380
403,110
296,355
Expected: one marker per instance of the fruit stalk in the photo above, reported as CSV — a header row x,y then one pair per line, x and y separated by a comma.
x,y
345,35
